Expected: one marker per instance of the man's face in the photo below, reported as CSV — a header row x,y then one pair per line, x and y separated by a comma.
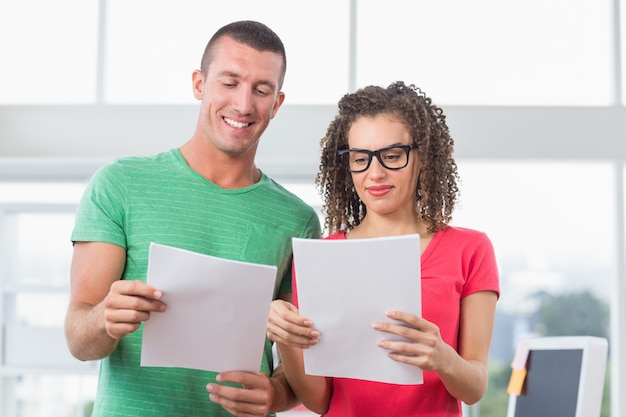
x,y
239,96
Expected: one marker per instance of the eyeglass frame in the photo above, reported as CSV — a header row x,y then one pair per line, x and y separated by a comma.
x,y
371,154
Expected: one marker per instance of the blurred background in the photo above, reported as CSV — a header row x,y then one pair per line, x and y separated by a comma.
x,y
534,97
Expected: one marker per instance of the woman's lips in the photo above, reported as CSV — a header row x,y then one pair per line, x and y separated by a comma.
x,y
379,190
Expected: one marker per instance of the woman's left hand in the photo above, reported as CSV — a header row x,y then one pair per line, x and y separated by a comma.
x,y
422,345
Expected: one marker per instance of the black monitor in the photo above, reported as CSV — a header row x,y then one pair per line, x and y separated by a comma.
x,y
564,377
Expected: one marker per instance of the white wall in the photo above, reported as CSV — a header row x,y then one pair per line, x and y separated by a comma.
x,y
49,138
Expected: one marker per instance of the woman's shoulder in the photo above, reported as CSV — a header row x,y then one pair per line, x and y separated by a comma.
x,y
462,231
463,234
337,235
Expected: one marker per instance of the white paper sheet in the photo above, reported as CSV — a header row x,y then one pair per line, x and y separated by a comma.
x,y
216,315
344,286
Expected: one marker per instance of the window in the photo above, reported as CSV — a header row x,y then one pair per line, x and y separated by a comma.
x,y
555,245
38,376
483,52
49,51
489,52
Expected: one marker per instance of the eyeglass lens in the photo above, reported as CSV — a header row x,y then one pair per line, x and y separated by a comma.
x,y
394,157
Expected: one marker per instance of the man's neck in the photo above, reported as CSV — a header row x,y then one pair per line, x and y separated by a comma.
x,y
223,170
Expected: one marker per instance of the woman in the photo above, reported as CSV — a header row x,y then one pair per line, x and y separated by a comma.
x,y
387,169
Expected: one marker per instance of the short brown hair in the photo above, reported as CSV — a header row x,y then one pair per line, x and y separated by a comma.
x,y
248,32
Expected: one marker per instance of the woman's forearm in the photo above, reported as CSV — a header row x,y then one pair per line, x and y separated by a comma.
x,y
313,391
464,379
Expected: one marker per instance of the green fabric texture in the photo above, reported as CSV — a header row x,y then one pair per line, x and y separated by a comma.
x,y
138,200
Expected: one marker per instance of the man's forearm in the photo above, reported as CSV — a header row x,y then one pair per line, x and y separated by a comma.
x,y
86,339
284,398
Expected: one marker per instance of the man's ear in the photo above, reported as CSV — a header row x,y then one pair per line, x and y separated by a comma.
x,y
197,84
277,103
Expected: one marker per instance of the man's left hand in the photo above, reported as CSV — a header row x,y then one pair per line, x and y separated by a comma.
x,y
253,398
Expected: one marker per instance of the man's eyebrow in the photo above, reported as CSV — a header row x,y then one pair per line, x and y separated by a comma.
x,y
231,74
268,84
228,74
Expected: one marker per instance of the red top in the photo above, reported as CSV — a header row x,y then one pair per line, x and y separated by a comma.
x,y
456,263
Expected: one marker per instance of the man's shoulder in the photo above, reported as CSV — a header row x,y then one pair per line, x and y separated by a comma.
x,y
283,193
128,165
160,158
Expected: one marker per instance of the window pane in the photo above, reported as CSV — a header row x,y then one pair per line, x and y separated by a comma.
x,y
486,52
54,395
154,64
555,245
43,248
41,192
39,377
49,51
42,309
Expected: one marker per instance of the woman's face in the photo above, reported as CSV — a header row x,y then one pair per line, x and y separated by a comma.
x,y
383,191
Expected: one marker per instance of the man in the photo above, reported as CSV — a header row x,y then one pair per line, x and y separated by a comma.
x,y
207,196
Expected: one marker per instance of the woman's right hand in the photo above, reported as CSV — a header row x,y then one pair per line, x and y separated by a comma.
x,y
286,326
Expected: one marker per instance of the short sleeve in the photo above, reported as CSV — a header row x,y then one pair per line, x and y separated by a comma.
x,y
482,268
101,213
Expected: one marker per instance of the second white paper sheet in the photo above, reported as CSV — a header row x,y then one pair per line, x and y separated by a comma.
x,y
344,286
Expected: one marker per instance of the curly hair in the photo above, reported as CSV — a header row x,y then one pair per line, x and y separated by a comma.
x,y
436,192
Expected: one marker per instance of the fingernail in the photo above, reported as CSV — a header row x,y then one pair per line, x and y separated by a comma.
x,y
376,326
315,334
209,387
391,314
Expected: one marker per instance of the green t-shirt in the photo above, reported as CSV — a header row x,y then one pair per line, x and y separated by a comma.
x,y
138,200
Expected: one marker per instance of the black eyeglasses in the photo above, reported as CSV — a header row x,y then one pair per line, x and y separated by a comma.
x,y
392,157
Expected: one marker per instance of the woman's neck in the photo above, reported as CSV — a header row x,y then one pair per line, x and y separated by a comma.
x,y
379,226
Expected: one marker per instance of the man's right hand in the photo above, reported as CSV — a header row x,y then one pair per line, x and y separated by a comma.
x,y
127,304
103,308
